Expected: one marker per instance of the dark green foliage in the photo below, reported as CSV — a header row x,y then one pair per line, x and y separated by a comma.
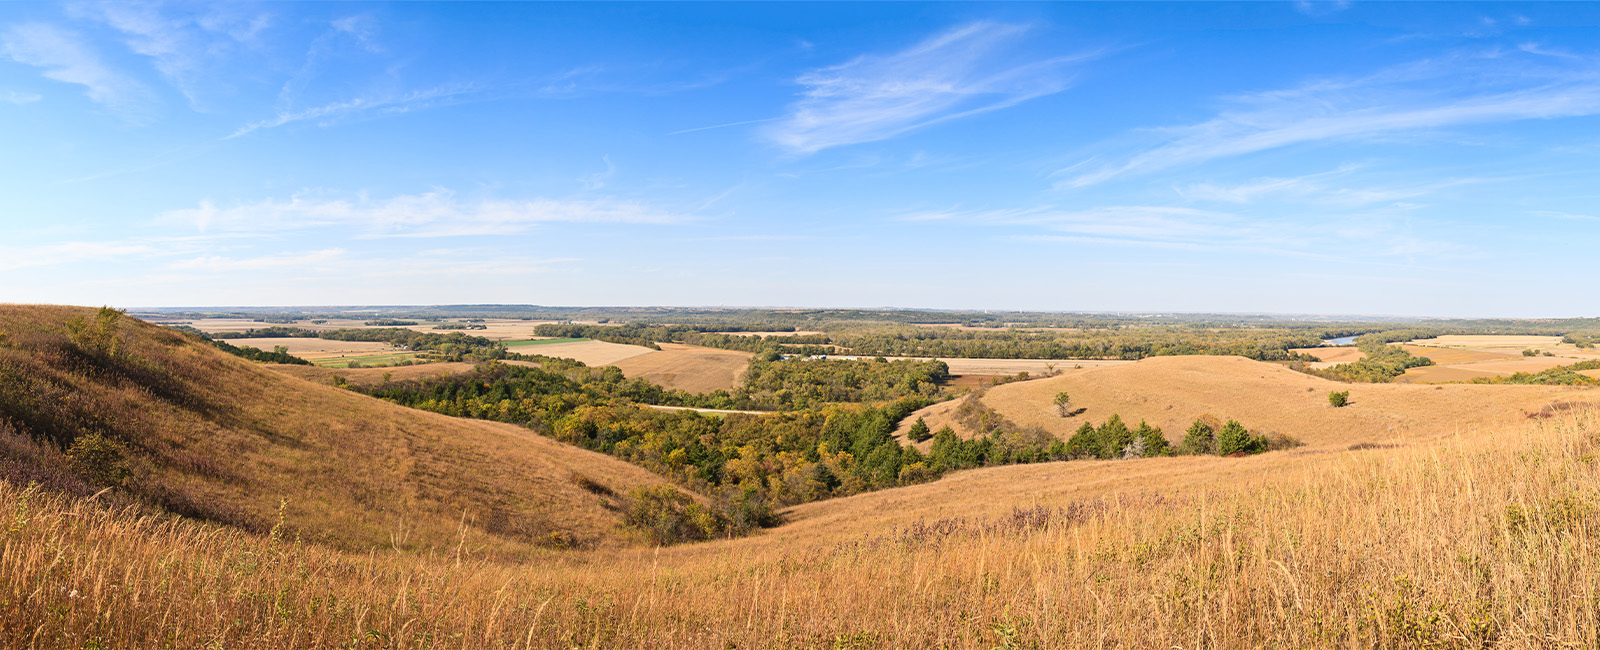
x,y
1114,437
279,354
1151,442
1339,398
1235,439
919,431
100,460
1085,443
1199,440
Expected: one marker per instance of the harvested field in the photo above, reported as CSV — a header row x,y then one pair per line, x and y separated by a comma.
x,y
1508,344
1333,355
540,341
1455,356
687,367
1010,366
593,353
974,381
318,349
372,376
497,329
1590,373
1171,392
1522,364
1443,374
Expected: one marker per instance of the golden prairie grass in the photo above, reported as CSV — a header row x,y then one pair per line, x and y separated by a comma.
x,y
1171,392
1488,540
217,437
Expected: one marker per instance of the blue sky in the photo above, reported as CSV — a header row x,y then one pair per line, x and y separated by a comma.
x,y
1429,159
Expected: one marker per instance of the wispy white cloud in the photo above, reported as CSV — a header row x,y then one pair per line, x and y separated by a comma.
x,y
1564,216
65,57
218,263
373,105
182,43
19,97
965,71
20,257
1320,189
1408,99
432,214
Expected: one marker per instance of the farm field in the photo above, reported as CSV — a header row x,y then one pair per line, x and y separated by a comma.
x,y
315,350
686,367
372,376
794,333
999,367
496,329
592,353
1464,357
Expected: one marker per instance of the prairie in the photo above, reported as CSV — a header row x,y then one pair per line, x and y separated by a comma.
x,y
219,438
687,367
1416,517
1333,354
1485,539
1171,392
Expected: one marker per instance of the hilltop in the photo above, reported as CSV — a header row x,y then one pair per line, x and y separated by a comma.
x,y
177,425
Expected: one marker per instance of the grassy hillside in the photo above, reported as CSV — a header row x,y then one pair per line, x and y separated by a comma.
x,y
1171,392
180,426
1485,541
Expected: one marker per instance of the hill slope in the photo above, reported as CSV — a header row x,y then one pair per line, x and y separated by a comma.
x,y
1171,392
177,423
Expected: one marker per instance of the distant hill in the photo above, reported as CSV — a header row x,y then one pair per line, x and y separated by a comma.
x,y
172,423
1171,392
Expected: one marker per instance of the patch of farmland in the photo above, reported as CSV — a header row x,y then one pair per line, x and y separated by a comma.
x,y
1522,364
1456,356
1014,366
687,367
592,353
317,349
374,376
799,333
1443,374
1505,343
1332,355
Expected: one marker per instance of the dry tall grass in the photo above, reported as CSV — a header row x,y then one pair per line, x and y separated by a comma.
x,y
1484,540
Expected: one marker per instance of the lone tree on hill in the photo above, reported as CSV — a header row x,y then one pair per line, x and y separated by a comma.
x,y
1339,398
1063,404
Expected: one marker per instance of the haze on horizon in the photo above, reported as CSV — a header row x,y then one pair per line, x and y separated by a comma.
x,y
1427,159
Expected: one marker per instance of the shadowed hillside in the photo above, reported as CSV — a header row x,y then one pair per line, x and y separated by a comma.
x,y
168,421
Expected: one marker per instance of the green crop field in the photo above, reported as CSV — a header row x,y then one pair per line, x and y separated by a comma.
x,y
344,362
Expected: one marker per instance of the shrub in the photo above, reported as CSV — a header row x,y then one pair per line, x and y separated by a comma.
x,y
1339,398
99,336
98,459
668,516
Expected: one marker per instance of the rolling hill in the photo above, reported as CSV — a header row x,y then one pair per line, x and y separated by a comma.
x,y
183,427
1171,392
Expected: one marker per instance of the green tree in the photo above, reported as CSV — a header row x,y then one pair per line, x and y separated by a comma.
x,y
1234,439
1085,443
1153,443
1199,440
1339,398
1114,437
1063,404
919,431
